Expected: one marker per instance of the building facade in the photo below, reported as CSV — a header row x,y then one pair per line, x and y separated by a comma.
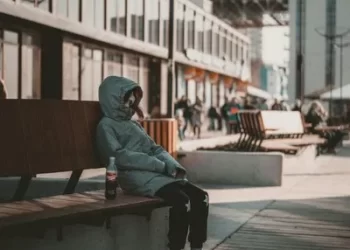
x,y
62,49
314,60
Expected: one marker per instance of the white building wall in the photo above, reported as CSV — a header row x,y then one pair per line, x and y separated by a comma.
x,y
315,44
292,48
343,23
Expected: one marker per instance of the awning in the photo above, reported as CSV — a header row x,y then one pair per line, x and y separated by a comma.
x,y
335,93
258,92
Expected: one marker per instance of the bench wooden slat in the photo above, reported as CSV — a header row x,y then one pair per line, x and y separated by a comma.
x,y
58,208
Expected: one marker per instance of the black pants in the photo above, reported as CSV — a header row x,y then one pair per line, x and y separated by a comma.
x,y
189,209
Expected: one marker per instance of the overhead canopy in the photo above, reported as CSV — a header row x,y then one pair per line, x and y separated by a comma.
x,y
258,92
252,13
336,93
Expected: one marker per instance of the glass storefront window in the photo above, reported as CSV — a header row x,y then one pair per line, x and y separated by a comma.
x,y
68,8
31,67
190,28
116,16
93,13
164,16
132,67
200,32
208,36
113,64
135,9
10,56
181,82
180,26
208,92
71,73
152,10
91,73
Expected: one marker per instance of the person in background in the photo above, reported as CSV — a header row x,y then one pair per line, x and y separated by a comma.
x,y
297,105
262,105
197,117
277,105
3,93
224,113
248,104
317,117
180,123
188,113
285,106
212,115
233,109
145,168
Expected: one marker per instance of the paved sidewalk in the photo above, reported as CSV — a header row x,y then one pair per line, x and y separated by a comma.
x,y
310,211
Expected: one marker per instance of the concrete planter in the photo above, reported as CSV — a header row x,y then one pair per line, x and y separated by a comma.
x,y
234,168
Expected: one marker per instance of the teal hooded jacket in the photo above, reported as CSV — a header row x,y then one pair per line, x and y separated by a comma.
x,y
143,166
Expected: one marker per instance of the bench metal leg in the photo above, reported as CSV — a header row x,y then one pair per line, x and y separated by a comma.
x,y
22,187
73,181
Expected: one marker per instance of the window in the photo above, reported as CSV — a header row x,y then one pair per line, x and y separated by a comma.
x,y
10,56
180,26
164,16
222,42
229,47
113,64
237,50
31,67
233,49
208,36
132,67
116,16
200,32
136,12
42,4
68,8
91,73
144,83
152,8
93,13
71,71
216,41
190,28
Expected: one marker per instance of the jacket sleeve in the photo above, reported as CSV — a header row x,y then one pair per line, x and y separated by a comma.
x,y
108,145
163,155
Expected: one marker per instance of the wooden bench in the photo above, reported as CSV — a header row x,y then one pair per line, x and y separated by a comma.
x,y
47,137
274,130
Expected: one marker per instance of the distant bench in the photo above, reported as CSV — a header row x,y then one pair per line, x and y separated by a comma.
x,y
57,136
273,131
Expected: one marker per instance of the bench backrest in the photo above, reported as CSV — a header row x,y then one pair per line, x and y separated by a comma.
x,y
282,122
46,136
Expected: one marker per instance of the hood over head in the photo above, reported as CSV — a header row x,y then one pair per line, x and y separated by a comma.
x,y
111,97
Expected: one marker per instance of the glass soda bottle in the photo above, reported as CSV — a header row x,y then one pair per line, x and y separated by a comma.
x,y
111,180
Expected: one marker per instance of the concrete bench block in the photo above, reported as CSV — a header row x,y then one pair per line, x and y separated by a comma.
x,y
234,168
128,232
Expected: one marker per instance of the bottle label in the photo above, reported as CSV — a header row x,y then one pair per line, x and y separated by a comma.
x,y
111,176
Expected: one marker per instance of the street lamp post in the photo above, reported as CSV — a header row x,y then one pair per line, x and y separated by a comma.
x,y
171,64
341,47
332,38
